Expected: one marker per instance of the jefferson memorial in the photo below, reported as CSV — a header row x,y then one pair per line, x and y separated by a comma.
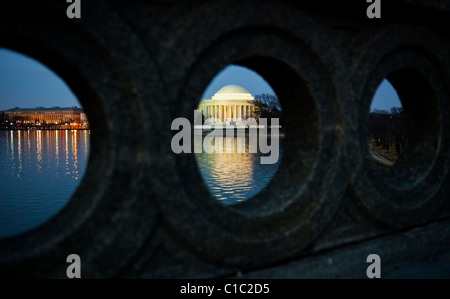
x,y
231,105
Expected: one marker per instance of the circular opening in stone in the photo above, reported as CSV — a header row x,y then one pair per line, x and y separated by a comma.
x,y
240,121
386,126
411,129
44,143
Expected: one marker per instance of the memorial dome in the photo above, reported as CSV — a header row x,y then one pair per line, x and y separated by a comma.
x,y
230,105
232,92
232,89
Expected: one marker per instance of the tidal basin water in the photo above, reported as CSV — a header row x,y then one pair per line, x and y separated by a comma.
x,y
41,169
39,172
235,177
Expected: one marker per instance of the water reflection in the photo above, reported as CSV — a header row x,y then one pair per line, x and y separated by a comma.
x,y
35,183
39,150
234,177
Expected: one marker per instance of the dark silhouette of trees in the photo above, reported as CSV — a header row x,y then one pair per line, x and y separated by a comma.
x,y
268,106
387,129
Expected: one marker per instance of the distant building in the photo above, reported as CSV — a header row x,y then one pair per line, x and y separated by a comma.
x,y
232,104
56,117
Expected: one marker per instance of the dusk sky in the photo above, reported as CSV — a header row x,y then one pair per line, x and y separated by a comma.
x,y
385,97
26,83
238,75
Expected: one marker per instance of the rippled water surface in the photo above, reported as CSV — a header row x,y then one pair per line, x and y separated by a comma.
x,y
237,176
39,171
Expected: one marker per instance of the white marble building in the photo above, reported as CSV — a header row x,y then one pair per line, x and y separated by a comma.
x,y
231,105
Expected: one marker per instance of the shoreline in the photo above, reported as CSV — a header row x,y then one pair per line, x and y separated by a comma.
x,y
222,131
43,129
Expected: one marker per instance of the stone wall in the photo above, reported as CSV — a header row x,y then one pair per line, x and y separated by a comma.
x,y
142,211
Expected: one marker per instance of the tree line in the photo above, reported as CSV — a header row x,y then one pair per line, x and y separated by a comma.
x,y
268,106
387,129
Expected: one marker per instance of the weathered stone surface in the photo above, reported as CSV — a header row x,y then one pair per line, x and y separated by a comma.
x,y
142,211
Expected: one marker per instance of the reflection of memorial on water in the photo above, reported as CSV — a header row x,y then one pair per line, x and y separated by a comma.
x,y
237,175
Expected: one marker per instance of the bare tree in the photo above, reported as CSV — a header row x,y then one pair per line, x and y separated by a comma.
x,y
387,128
267,106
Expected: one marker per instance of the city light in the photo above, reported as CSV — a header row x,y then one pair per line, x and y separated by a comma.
x,y
44,118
